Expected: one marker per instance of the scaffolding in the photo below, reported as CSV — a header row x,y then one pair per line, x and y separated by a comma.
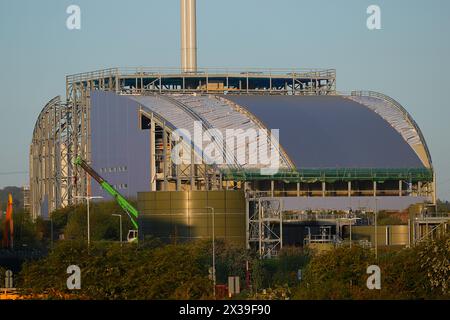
x,y
429,226
210,80
50,179
265,226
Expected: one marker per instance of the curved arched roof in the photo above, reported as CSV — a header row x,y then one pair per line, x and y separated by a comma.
x,y
355,131
397,116
214,113
332,132
47,108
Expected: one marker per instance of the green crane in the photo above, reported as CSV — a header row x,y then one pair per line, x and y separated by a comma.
x,y
123,203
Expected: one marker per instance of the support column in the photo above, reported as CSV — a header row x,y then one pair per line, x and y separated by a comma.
x,y
206,177
400,191
192,168
166,183
298,189
247,223
272,188
324,191
419,188
260,226
178,172
434,189
152,155
374,188
409,232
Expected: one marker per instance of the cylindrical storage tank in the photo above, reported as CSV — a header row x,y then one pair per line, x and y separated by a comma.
x,y
187,215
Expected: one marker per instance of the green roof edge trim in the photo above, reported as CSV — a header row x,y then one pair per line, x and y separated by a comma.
x,y
332,174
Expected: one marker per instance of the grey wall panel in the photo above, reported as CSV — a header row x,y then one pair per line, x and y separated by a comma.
x,y
343,203
331,132
118,143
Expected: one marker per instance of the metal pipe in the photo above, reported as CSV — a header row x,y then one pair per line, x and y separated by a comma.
x,y
88,224
376,229
120,226
88,198
188,36
213,251
350,233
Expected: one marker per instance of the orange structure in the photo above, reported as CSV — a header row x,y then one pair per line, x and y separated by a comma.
x,y
8,230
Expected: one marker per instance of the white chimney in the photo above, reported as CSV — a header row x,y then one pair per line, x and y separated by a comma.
x,y
188,36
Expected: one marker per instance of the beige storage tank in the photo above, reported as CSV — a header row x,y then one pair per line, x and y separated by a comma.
x,y
188,215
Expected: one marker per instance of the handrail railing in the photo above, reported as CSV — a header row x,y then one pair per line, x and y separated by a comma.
x,y
244,72
85,76
397,105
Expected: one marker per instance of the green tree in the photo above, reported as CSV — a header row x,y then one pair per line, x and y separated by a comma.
x,y
435,261
280,272
421,272
113,272
231,260
290,260
2,274
402,276
27,233
72,221
386,219
337,274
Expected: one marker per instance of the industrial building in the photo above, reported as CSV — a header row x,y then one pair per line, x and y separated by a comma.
x,y
335,152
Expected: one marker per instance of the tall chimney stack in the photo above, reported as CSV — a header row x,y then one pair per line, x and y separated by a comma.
x,y
188,36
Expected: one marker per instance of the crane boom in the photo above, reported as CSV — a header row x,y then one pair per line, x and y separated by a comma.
x,y
123,203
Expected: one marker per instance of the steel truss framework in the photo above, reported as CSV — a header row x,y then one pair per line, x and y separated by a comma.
x,y
166,175
61,132
207,80
265,225
49,182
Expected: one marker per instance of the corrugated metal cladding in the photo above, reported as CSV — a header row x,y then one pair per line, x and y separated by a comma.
x,y
331,132
120,149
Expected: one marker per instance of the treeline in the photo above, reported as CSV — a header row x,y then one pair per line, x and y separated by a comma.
x,y
111,272
70,223
421,272
152,270
182,271
28,234
67,223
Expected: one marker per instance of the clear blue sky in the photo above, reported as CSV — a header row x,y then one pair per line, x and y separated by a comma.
x,y
408,59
